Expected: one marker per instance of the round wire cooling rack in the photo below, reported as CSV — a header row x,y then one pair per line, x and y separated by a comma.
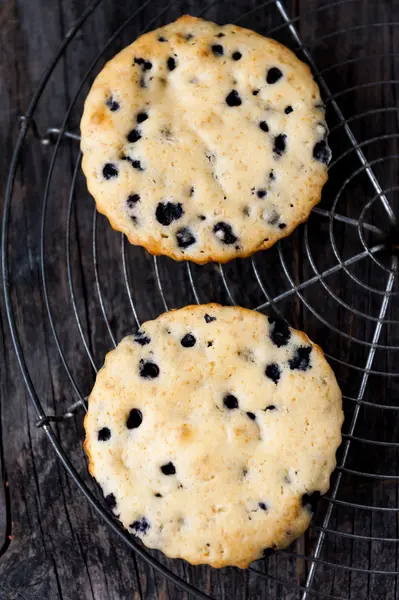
x,y
336,277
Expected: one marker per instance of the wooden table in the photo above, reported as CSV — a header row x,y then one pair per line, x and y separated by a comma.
x,y
52,544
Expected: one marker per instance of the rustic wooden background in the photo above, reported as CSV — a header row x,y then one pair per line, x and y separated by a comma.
x,y
52,544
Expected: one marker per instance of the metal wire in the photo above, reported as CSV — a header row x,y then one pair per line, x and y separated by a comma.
x,y
271,296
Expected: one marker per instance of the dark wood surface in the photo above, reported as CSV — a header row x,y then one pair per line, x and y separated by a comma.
x,y
52,544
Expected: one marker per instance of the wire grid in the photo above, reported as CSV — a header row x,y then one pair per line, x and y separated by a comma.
x,y
364,351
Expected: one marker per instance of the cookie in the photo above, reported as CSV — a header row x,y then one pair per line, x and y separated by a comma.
x,y
209,431
203,142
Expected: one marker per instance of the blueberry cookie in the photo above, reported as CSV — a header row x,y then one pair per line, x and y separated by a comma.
x,y
203,142
209,431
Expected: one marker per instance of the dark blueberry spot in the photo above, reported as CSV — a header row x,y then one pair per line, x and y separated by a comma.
x,y
191,192
273,372
310,501
272,175
112,104
167,212
288,110
262,506
148,370
132,200
110,170
220,35
158,495
244,472
233,99
141,117
110,501
134,136
301,359
209,319
251,416
217,49
270,407
282,225
104,434
136,164
202,217
280,144
230,402
225,233
264,126
209,344
168,469
261,193
140,526
268,552
171,63
162,39
322,152
279,332
134,419
273,75
141,338
189,36
147,65
185,237
139,61
236,55
188,341
255,92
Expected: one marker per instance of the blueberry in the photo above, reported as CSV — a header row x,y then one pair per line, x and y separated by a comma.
x,y
236,55
310,501
185,237
104,434
112,104
139,61
279,332
322,152
255,92
141,117
167,212
261,193
264,126
147,65
272,175
273,372
220,35
288,110
133,136
202,217
141,338
191,192
132,200
110,501
282,225
233,98
162,39
217,49
134,419
188,341
273,75
209,319
280,142
262,505
136,164
251,416
148,370
171,63
168,469
270,407
301,359
110,171
230,402
140,526
209,344
158,495
225,233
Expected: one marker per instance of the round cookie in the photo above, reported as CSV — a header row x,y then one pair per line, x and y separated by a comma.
x,y
203,142
210,429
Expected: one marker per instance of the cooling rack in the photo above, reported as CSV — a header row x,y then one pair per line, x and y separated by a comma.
x,y
335,277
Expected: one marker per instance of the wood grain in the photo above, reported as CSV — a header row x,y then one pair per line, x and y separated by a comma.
x,y
52,544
